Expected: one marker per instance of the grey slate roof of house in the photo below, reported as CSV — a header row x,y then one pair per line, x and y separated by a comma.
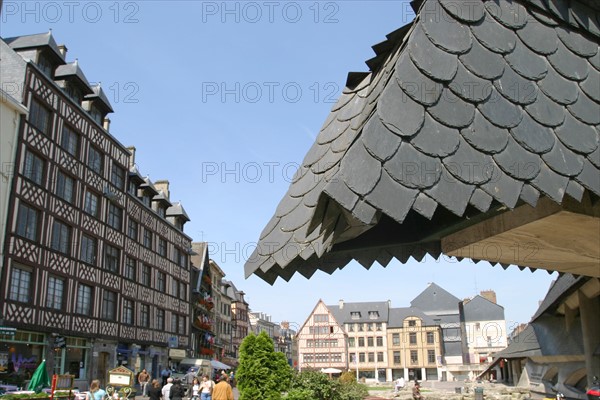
x,y
34,41
473,108
525,344
177,210
73,70
99,94
398,315
563,285
435,299
481,309
344,314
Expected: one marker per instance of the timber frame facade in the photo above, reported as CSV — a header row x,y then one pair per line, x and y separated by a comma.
x,y
96,269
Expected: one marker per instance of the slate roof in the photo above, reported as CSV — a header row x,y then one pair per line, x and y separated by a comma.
x,y
176,210
437,300
559,289
481,309
344,314
100,96
73,71
398,315
36,41
472,109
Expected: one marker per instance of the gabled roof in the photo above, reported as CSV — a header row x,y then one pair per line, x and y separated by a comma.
x,y
176,210
344,314
73,71
559,289
436,300
525,344
472,109
149,186
481,309
398,315
38,40
162,197
100,97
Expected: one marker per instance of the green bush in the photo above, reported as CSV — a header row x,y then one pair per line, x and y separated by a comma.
x,y
348,377
316,382
314,385
20,396
351,391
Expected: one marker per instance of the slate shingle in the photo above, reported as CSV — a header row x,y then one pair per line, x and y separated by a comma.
x,y
559,89
527,63
446,32
539,37
533,136
493,35
483,62
430,59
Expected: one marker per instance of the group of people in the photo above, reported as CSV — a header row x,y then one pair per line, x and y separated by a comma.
x,y
193,388
399,385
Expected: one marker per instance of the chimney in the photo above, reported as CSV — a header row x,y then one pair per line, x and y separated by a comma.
x,y
390,303
63,51
132,157
106,124
490,295
341,303
164,186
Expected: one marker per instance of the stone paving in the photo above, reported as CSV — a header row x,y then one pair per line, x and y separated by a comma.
x,y
435,390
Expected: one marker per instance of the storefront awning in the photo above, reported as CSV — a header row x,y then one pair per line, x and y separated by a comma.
x,y
216,364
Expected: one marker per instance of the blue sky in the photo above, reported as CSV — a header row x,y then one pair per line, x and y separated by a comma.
x,y
224,99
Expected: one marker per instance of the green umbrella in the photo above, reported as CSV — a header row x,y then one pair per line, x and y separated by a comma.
x,y
39,379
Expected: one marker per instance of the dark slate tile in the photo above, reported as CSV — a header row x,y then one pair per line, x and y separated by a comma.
x,y
530,195
467,10
287,205
311,198
594,157
451,193
595,61
359,170
326,163
518,162
533,136
344,99
516,88
425,205
576,42
494,36
585,110
270,226
550,183
412,168
508,12
481,200
539,37
568,64
591,85
577,136
304,185
587,17
563,160
392,198
378,140
562,10
500,111
436,139
482,62
589,177
446,32
276,239
542,17
342,143
469,165
415,84
431,60
575,190
352,109
337,190
559,89
470,87
503,188
286,255
332,132
526,62
546,111
384,258
298,217
485,136
358,123
452,111
365,213
315,153
398,112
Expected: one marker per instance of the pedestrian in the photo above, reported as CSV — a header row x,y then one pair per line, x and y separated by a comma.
x,y
143,379
154,392
206,388
399,384
222,390
416,392
165,374
166,389
189,377
177,391
96,393
194,389
232,379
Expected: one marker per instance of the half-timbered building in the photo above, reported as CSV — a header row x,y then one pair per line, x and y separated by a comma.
x,y
96,263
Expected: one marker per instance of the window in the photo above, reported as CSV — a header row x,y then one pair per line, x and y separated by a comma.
x,y
321,318
55,293
160,319
176,255
351,342
379,341
109,305
65,186
132,230
128,311
361,357
96,114
111,258
129,271
146,275
161,211
350,327
414,357
369,327
145,315
33,168
20,284
396,357
147,238
174,322
181,330
70,141
370,341
161,281
378,326
477,326
395,339
45,65
412,338
84,300
91,203
61,237
412,322
371,357
115,216
39,116
359,327
431,356
132,188
379,356
88,249
162,247
361,342
117,176
182,291
74,93
27,222
373,314
175,288
355,314
95,160
430,338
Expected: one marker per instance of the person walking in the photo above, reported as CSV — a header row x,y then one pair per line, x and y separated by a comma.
x,y
166,389
154,392
143,379
222,390
416,392
165,374
177,391
399,384
206,388
96,393
194,390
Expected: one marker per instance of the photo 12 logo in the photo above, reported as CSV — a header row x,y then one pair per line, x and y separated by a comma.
x,y
253,12
126,12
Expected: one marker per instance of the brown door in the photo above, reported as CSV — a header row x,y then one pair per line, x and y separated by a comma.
x,y
103,368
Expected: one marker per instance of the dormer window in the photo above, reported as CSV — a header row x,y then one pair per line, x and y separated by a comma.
x,y
355,314
373,314
74,93
45,65
132,188
96,114
161,211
